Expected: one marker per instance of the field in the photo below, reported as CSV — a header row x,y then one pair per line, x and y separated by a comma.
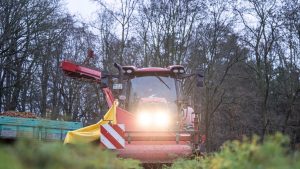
x,y
250,153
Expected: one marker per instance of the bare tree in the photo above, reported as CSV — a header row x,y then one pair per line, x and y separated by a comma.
x,y
260,39
123,16
23,23
166,28
215,49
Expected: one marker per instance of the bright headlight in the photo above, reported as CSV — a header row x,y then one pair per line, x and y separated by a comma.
x,y
161,119
144,119
155,119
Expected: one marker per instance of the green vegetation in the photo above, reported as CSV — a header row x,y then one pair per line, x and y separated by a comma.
x,y
29,154
248,154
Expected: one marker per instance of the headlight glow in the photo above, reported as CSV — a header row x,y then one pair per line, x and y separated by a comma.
x,y
161,119
155,119
144,118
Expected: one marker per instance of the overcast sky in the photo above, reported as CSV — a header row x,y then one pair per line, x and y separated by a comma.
x,y
83,9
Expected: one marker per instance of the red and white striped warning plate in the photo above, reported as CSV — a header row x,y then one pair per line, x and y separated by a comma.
x,y
112,136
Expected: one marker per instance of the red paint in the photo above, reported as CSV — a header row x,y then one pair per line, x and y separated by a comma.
x,y
76,71
153,70
108,96
111,138
156,151
127,118
151,147
153,99
119,130
156,136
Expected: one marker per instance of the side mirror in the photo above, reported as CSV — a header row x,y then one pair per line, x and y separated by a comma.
x,y
190,101
118,66
104,82
120,69
199,78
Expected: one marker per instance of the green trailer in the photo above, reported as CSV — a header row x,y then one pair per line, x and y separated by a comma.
x,y
41,129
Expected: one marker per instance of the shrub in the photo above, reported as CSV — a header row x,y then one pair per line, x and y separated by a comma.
x,y
28,154
248,154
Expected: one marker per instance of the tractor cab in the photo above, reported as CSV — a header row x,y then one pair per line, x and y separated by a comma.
x,y
153,95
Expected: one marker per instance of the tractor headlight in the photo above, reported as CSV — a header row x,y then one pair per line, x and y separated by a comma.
x,y
153,119
144,119
161,119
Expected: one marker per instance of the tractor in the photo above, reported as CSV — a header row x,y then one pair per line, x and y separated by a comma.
x,y
160,124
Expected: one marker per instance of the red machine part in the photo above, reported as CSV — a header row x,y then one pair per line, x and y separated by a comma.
x,y
148,147
152,147
156,151
112,136
80,72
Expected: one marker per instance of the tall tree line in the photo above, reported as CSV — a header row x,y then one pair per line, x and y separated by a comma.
x,y
248,50
34,38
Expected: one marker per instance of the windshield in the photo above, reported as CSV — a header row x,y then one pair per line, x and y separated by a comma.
x,y
152,91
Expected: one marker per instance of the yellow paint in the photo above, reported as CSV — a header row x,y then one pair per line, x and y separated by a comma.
x,y
91,133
